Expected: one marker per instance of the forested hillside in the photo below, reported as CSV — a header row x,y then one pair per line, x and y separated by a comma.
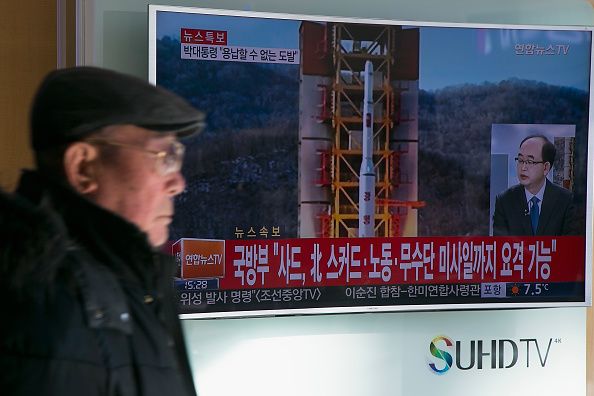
x,y
242,170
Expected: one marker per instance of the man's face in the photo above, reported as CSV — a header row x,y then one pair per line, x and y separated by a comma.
x,y
532,176
130,183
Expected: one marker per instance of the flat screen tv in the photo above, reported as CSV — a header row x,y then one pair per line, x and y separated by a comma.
x,y
356,165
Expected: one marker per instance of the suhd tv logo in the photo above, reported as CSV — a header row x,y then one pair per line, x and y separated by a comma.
x,y
500,354
441,354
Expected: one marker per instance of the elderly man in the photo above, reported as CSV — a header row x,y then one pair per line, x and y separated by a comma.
x,y
535,206
86,299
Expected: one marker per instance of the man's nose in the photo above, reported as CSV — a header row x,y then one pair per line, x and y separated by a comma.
x,y
176,184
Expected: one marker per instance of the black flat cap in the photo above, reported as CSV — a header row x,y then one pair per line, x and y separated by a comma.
x,y
72,103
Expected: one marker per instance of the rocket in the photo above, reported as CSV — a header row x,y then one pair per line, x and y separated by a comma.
x,y
367,171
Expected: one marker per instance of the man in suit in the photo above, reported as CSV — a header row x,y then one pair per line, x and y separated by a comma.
x,y
535,206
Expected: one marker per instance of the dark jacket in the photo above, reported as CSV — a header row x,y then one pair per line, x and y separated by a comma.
x,y
557,214
87,306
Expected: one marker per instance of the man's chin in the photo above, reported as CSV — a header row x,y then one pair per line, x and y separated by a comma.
x,y
158,239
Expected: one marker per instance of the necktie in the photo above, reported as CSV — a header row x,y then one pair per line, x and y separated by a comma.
x,y
534,212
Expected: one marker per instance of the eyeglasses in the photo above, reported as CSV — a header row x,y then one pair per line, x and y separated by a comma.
x,y
166,161
528,163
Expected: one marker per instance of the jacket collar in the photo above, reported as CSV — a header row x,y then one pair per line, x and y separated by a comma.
x,y
109,238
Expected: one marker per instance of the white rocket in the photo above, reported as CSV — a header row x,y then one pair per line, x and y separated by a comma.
x,y
367,171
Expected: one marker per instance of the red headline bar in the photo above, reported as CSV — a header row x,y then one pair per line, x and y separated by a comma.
x,y
384,261
203,36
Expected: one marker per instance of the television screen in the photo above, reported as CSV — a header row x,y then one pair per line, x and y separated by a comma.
x,y
354,165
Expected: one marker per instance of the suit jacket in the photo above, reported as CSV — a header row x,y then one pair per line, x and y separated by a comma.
x,y
557,213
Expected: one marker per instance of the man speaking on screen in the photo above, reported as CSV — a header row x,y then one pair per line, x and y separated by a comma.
x,y
535,206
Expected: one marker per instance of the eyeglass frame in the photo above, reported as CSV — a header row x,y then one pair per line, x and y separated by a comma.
x,y
528,162
161,164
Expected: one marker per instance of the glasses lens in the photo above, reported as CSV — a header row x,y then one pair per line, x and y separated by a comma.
x,y
522,162
172,160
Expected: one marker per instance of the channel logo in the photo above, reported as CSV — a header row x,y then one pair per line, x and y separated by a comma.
x,y
500,354
441,354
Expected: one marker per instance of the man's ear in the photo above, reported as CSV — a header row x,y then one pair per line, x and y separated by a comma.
x,y
547,167
81,167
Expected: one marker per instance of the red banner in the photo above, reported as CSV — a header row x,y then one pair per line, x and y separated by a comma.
x,y
203,36
383,261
